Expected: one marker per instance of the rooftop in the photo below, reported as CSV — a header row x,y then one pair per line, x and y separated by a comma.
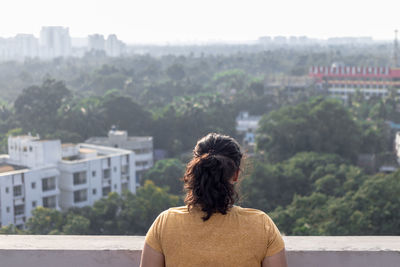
x,y
96,251
5,167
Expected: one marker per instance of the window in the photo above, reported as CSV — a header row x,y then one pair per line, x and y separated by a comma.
x,y
19,209
25,149
93,173
94,191
115,169
33,185
141,163
106,191
17,190
115,186
80,195
48,183
8,209
50,202
34,204
80,178
106,174
30,149
7,190
124,169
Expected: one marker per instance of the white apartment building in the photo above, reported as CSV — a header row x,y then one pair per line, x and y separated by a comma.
x,y
90,172
247,126
112,46
45,173
54,42
142,146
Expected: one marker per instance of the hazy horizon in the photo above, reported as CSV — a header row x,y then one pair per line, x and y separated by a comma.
x,y
177,21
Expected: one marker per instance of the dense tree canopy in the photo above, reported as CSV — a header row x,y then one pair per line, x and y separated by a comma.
x,y
303,172
320,125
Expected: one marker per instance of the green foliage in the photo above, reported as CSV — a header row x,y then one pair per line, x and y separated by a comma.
x,y
44,220
36,107
273,185
371,209
306,178
167,173
323,126
76,225
140,210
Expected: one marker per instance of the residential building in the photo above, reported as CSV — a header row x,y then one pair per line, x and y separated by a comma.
x,y
96,42
28,178
142,146
90,172
246,126
113,46
54,42
46,173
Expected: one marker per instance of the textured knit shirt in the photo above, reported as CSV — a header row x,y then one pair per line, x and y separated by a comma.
x,y
242,237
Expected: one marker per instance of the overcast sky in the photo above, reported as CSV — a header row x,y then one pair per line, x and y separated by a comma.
x,y
160,21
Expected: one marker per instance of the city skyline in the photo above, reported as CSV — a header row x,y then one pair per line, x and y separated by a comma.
x,y
223,21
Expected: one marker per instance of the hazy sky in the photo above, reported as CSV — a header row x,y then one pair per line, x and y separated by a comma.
x,y
141,21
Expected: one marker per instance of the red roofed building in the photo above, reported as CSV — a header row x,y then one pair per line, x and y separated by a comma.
x,y
342,81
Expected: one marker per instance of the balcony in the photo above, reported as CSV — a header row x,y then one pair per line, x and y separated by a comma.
x,y
93,251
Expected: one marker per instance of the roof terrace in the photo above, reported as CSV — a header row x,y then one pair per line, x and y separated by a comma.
x,y
96,251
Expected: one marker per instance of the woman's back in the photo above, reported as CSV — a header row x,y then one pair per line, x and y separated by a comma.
x,y
242,237
210,230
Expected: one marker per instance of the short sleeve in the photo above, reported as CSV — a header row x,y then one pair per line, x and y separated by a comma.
x,y
275,241
153,236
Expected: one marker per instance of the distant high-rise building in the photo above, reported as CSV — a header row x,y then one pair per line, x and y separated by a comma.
x,y
114,47
55,41
265,39
26,45
96,42
395,51
280,40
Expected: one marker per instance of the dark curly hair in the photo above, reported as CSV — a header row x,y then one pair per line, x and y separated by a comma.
x,y
207,180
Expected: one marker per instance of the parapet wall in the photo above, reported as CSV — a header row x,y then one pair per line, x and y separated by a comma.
x,y
124,251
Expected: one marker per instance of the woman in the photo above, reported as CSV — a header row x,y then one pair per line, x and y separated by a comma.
x,y
210,230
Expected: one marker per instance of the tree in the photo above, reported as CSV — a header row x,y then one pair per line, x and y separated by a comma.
x,y
167,173
104,215
176,72
273,185
320,125
76,225
36,107
139,211
123,112
44,221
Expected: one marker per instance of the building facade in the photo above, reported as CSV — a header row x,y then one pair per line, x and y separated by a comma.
x,y
54,42
141,146
46,173
343,81
246,127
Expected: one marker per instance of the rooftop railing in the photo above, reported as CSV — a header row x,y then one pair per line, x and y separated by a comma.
x,y
124,251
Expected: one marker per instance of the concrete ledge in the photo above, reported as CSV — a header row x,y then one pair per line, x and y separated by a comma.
x,y
92,251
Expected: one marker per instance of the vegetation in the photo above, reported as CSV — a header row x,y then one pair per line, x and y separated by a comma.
x,y
304,173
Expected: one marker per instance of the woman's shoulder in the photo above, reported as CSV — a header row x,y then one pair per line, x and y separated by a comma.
x,y
249,212
177,210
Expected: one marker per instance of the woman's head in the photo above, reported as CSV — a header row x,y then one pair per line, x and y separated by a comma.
x,y
210,175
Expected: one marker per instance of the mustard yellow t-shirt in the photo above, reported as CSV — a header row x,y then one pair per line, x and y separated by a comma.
x,y
242,237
